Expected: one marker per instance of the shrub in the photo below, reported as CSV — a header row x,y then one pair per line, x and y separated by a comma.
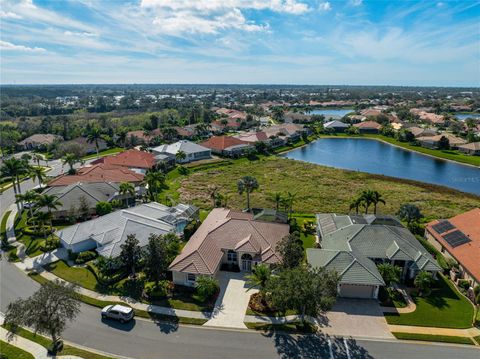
x,y
103,208
464,284
206,287
84,257
476,290
183,170
72,255
190,229
35,231
156,291
50,245
12,257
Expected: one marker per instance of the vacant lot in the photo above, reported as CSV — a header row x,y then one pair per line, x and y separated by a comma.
x,y
317,188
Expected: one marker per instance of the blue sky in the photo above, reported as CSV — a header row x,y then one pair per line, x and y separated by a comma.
x,y
435,43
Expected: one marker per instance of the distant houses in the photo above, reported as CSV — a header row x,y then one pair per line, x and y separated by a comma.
x,y
227,146
368,127
335,126
434,142
138,161
472,148
39,141
86,146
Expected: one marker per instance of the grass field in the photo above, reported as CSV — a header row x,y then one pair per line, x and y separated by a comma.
x,y
317,188
9,351
444,307
110,151
433,338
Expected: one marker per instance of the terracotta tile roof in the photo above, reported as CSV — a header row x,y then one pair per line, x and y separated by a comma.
x,y
471,146
453,140
131,158
368,124
98,173
222,230
220,143
468,254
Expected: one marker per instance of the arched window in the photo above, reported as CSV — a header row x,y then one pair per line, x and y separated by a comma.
x,y
246,257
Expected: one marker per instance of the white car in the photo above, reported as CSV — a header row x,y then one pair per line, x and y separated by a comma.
x,y
119,312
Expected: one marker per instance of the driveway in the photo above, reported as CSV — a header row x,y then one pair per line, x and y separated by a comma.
x,y
356,318
232,302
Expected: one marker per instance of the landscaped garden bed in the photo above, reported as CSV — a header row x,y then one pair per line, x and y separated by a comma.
x,y
391,298
443,307
261,307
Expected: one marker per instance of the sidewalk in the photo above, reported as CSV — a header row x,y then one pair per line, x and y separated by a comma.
x,y
410,308
470,332
39,261
10,225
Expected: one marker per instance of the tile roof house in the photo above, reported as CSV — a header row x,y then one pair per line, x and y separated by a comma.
x,y
193,151
138,161
38,140
98,173
368,127
107,233
434,141
336,126
459,238
94,192
422,132
353,245
139,137
227,237
472,148
227,145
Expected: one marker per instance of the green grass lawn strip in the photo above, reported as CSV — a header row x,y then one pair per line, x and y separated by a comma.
x,y
433,338
9,351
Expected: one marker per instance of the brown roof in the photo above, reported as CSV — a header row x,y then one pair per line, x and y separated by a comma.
x,y
468,254
471,146
140,135
41,139
453,140
131,158
98,173
368,124
220,143
224,229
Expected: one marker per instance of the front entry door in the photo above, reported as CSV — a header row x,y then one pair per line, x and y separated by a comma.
x,y
246,265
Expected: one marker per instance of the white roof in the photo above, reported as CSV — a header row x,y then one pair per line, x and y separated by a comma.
x,y
334,124
184,146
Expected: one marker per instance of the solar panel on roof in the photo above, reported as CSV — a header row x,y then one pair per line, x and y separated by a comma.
x,y
443,226
456,238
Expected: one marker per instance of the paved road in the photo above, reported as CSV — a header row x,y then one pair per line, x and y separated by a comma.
x,y
145,339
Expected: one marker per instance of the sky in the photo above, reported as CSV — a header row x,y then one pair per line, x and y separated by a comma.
x,y
350,42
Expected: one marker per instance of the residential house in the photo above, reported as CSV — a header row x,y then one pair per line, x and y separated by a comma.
x,y
88,147
141,137
370,112
434,141
422,132
261,136
353,245
98,173
459,238
39,141
107,233
472,148
357,118
230,238
296,117
335,126
429,117
287,131
138,161
368,127
92,192
227,146
192,151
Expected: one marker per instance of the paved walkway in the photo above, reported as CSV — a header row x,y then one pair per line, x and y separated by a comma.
x,y
232,302
10,225
410,308
37,262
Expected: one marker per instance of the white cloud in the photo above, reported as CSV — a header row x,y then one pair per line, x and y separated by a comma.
x,y
9,15
174,17
8,46
325,6
356,2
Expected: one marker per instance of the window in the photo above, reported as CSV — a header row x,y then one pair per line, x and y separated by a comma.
x,y
231,256
190,277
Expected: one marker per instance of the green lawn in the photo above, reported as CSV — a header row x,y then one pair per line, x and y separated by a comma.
x,y
433,338
317,188
444,307
9,351
307,238
81,276
67,349
477,339
110,151
453,155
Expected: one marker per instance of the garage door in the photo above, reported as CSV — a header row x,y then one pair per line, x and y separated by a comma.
x,y
356,291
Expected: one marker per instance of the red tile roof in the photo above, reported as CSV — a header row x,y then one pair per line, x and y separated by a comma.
x,y
131,159
468,254
98,173
220,143
368,124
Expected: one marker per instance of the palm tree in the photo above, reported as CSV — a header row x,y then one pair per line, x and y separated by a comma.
x,y
30,197
43,218
180,156
38,157
290,198
410,213
50,202
423,281
259,277
122,136
127,188
38,174
71,159
93,135
357,202
213,192
277,198
377,198
154,180
247,184
13,168
368,198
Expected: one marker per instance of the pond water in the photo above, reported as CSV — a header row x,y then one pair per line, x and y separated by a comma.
x,y
464,116
381,158
332,112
